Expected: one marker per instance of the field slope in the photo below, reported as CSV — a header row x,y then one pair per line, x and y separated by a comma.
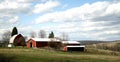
x,y
41,55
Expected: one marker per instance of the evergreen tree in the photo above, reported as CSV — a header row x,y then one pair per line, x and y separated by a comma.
x,y
14,31
51,35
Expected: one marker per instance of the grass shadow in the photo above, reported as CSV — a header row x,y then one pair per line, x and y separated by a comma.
x,y
7,58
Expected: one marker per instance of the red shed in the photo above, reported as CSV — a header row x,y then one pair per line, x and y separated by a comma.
x,y
74,48
40,42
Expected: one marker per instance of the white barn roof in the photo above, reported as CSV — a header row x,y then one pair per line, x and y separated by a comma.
x,y
76,46
70,42
45,39
12,38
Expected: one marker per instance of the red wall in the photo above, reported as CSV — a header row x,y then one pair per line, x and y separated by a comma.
x,y
41,44
31,41
37,44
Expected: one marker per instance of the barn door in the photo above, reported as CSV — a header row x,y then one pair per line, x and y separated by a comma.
x,y
31,45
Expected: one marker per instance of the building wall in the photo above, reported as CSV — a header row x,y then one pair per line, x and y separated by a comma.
x,y
41,44
17,40
73,48
33,43
73,44
70,45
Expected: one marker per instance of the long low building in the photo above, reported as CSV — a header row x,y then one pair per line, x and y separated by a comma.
x,y
41,42
74,48
44,42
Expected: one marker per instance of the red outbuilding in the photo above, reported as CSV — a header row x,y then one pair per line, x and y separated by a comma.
x,y
74,48
40,42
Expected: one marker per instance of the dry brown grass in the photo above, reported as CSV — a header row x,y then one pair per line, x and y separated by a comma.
x,y
43,55
113,46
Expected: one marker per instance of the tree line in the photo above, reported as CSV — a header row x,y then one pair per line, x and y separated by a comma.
x,y
41,34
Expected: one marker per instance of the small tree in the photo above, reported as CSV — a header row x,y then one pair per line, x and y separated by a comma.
x,y
53,43
51,35
14,31
64,36
5,37
42,34
32,34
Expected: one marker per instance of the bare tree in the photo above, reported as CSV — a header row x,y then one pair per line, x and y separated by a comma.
x,y
5,37
64,36
42,34
25,37
32,34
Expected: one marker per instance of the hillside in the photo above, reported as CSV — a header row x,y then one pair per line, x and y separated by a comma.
x,y
114,46
41,55
89,42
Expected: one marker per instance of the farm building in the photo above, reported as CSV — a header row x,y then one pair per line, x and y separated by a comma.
x,y
74,48
70,43
17,40
41,42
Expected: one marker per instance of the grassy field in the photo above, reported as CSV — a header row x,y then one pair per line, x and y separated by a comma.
x,y
41,55
113,46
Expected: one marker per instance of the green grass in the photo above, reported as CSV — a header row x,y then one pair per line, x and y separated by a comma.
x,y
41,55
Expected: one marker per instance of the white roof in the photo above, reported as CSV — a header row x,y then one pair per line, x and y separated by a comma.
x,y
12,38
76,46
45,39
70,42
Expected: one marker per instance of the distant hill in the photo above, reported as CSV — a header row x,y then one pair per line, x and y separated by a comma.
x,y
113,45
89,42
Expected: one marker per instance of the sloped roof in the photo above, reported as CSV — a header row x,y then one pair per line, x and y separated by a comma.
x,y
76,46
45,39
70,42
13,38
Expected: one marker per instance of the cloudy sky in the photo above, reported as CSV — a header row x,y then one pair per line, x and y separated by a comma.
x,y
80,19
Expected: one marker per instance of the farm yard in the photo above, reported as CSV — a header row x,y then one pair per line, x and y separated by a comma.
x,y
55,50
59,31
43,55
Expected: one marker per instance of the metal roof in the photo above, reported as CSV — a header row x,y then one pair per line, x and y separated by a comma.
x,y
12,38
76,46
70,42
45,39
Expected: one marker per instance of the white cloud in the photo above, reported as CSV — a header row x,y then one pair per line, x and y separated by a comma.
x,y
66,27
113,9
45,7
10,10
98,19
14,19
85,12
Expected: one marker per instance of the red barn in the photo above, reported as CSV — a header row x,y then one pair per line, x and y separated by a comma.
x,y
40,42
17,40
